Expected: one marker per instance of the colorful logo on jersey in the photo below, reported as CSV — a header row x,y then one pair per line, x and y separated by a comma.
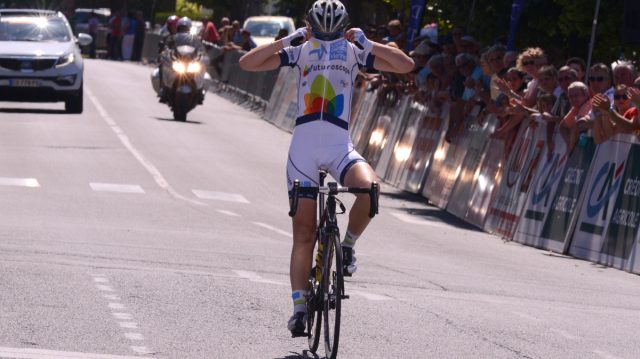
x,y
322,98
306,70
338,51
318,49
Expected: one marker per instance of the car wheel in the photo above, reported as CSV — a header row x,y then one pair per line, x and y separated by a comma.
x,y
74,104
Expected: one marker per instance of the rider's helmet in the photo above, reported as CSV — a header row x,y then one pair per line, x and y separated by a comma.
x,y
172,22
184,24
328,19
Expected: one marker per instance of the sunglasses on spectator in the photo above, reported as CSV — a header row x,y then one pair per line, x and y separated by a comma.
x,y
597,78
494,59
620,97
565,78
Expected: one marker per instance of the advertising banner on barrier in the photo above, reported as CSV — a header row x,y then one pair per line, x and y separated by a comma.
x,y
397,117
287,106
607,228
404,143
382,128
446,167
360,121
529,148
467,180
557,230
430,133
543,190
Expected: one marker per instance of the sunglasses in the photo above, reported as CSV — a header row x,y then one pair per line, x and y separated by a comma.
x,y
597,78
494,59
620,97
528,62
565,78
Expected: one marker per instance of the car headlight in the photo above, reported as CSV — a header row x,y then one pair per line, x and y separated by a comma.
x,y
179,67
194,67
65,60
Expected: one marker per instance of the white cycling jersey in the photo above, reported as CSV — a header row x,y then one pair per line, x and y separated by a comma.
x,y
327,71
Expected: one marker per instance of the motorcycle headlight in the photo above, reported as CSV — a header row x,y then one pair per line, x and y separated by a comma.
x,y
194,67
179,67
65,60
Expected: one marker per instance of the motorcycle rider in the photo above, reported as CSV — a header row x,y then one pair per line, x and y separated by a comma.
x,y
182,36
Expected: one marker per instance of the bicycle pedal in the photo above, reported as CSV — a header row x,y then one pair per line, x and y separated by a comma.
x,y
300,334
344,296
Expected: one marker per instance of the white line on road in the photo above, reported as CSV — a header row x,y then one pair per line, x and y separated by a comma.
x,y
19,182
370,296
112,187
111,297
134,336
128,325
407,218
28,353
116,306
141,350
104,288
254,277
122,316
153,170
272,228
100,280
228,213
220,196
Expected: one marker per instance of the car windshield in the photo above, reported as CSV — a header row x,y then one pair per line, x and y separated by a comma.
x,y
266,28
33,28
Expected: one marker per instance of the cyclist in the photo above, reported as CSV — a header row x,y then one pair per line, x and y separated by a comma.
x,y
327,60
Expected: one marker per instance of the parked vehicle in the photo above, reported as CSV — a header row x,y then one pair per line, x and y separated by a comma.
x,y
264,29
40,59
82,16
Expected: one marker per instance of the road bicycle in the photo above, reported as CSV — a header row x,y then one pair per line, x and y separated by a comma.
x,y
326,279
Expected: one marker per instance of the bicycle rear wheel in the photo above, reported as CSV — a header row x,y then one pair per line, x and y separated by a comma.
x,y
314,312
333,288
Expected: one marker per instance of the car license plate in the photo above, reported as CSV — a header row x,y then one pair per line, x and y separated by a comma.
x,y
24,83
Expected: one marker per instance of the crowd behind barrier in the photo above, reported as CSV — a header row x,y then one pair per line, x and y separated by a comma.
x,y
544,182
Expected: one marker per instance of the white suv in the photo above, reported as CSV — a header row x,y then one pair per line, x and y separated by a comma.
x,y
40,59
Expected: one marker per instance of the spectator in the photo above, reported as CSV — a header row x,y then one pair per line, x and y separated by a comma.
x,y
456,35
566,76
138,41
246,43
448,47
382,32
624,73
115,38
579,65
209,32
495,60
475,80
468,45
421,56
622,117
575,120
530,60
548,80
236,33
395,32
225,31
94,23
129,31
600,80
510,58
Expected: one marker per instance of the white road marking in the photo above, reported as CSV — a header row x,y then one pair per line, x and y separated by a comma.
x,y
254,277
129,325
104,288
29,353
407,218
153,170
100,280
112,187
19,182
605,355
134,336
122,316
228,213
274,229
116,306
370,296
141,350
220,196
111,296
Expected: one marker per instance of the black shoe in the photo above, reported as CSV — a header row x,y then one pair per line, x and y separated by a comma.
x,y
297,324
349,263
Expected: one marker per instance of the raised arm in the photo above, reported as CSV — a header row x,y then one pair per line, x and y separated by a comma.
x,y
265,57
387,58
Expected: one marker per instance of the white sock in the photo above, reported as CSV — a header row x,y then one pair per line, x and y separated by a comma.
x,y
299,301
350,240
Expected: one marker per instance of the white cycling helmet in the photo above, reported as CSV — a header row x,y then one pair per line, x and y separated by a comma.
x,y
328,19
184,23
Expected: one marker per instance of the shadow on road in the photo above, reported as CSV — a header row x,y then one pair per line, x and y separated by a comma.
x,y
172,120
33,110
428,211
305,355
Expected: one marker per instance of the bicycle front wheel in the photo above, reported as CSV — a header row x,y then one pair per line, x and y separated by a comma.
x,y
314,312
333,287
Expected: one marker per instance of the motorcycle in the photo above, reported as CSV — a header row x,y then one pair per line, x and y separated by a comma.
x,y
184,80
